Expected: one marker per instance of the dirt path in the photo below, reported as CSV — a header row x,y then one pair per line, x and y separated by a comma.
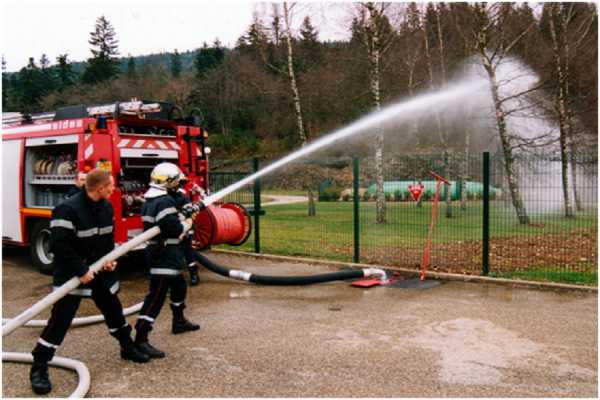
x,y
281,199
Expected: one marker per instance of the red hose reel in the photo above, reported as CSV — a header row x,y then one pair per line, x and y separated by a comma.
x,y
228,223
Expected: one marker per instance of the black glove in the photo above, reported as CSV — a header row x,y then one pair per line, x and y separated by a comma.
x,y
190,210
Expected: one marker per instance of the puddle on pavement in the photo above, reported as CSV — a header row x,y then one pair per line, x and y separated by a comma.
x,y
479,352
474,351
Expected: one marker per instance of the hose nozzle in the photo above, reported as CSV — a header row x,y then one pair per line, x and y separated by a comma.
x,y
376,272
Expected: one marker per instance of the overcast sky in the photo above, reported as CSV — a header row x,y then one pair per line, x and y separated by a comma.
x,y
33,27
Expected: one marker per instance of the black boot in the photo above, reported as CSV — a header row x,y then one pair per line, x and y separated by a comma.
x,y
128,350
40,381
193,268
184,326
132,353
150,350
180,324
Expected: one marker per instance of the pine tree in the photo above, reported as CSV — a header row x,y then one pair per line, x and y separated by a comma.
x,y
208,58
308,33
176,64
255,39
64,72
29,87
310,51
276,25
48,81
103,65
131,70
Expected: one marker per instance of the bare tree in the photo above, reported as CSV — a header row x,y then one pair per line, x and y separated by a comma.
x,y
441,129
413,50
373,22
493,47
461,13
289,71
291,74
433,11
561,102
566,39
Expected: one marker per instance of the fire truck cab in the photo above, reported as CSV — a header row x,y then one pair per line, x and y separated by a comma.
x,y
42,154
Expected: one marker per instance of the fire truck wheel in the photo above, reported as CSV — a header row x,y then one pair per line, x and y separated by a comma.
x,y
39,247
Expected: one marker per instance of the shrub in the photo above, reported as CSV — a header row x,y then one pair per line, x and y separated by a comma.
x,y
330,194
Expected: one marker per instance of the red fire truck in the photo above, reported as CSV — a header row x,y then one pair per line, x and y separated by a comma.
x,y
41,155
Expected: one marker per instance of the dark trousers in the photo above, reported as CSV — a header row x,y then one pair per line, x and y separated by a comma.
x,y
64,311
190,254
159,286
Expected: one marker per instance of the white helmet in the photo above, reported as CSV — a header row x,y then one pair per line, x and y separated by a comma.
x,y
166,176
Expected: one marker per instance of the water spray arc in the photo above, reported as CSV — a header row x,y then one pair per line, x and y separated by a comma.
x,y
385,115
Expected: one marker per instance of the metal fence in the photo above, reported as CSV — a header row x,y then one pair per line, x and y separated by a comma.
x,y
476,231
224,173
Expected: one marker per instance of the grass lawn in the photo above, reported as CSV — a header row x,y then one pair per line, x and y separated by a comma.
x,y
545,274
287,230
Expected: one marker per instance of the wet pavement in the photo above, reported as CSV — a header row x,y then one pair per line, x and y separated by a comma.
x,y
327,340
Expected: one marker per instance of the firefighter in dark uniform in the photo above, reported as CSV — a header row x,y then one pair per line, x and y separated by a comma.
x,y
166,257
191,260
78,186
81,233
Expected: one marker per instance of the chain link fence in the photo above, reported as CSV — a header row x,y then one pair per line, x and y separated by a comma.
x,y
550,246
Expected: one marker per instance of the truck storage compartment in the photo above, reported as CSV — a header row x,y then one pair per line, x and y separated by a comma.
x,y
50,170
133,182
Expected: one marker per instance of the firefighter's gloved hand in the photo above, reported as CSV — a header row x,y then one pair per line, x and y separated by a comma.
x,y
190,210
196,189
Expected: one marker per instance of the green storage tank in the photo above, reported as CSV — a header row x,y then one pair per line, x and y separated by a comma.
x,y
473,189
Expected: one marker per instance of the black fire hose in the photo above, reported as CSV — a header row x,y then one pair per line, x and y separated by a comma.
x,y
289,280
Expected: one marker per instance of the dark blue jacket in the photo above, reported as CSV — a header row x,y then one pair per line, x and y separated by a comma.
x,y
164,251
73,191
81,233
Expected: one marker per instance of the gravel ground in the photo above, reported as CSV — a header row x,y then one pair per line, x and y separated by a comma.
x,y
327,340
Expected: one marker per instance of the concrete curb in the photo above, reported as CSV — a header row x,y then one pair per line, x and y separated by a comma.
x,y
412,272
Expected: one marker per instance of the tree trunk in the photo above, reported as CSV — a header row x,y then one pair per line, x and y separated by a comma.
x,y
562,114
312,210
570,131
292,77
509,162
414,124
438,120
465,171
441,129
373,46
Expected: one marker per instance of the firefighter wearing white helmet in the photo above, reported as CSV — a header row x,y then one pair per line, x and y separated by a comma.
x,y
164,256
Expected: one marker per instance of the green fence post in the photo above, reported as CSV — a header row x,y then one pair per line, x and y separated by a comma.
x,y
485,251
256,209
356,200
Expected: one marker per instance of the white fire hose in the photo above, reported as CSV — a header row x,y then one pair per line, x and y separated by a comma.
x,y
27,315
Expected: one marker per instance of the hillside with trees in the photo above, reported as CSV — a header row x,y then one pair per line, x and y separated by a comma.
x,y
280,87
